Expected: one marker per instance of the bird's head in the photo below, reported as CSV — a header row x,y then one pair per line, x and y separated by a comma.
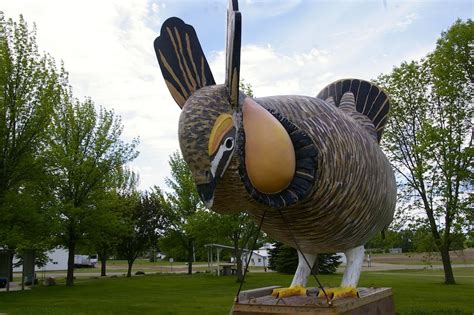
x,y
208,128
217,121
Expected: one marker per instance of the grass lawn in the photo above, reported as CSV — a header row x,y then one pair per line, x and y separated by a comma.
x,y
146,262
465,256
416,292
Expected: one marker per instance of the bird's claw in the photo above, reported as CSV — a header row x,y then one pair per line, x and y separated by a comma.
x,y
291,291
338,293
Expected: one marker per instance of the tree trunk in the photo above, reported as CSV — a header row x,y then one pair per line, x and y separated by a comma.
x,y
129,271
239,273
102,253
190,258
441,244
238,260
448,270
10,272
70,263
152,255
103,270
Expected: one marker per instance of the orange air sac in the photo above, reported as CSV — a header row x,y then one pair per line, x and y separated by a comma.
x,y
269,153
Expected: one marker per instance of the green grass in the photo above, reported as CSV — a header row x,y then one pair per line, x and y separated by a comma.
x,y
146,262
415,292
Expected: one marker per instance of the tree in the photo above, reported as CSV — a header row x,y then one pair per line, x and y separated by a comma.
x,y
105,228
284,259
172,245
236,230
428,138
144,222
240,230
84,154
29,93
204,227
403,238
107,224
181,204
246,88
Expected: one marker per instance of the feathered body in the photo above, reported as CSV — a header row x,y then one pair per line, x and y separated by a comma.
x,y
312,165
353,193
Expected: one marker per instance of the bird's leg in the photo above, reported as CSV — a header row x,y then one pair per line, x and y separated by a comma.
x,y
355,259
303,270
299,280
348,288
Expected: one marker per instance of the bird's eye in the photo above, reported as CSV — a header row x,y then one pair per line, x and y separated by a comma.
x,y
229,143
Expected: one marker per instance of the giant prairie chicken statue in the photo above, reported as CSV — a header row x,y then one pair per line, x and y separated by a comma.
x,y
312,165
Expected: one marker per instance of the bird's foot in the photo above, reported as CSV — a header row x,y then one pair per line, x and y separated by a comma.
x,y
338,293
291,291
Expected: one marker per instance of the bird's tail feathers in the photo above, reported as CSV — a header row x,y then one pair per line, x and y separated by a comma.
x,y
370,100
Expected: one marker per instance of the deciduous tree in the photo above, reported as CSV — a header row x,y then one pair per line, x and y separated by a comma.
x,y
144,221
84,154
181,203
29,93
428,138
107,223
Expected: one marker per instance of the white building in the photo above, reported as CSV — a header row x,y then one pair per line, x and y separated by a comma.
x,y
260,257
160,255
57,261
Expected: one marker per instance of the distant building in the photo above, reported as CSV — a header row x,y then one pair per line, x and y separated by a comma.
x,y
342,258
260,257
160,255
57,260
396,250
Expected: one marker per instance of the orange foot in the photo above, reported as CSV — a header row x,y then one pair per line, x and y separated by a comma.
x,y
291,291
338,293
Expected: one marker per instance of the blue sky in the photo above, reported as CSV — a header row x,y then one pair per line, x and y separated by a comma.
x,y
288,47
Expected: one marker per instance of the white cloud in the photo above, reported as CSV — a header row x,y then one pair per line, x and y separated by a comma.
x,y
107,47
407,20
255,9
273,73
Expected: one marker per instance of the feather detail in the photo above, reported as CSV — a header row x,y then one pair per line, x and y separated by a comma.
x,y
181,59
369,100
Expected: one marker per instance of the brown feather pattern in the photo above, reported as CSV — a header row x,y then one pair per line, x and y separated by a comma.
x,y
354,194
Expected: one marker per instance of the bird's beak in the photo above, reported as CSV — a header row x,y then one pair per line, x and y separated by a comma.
x,y
206,192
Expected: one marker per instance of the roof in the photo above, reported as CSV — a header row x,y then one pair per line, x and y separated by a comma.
x,y
223,247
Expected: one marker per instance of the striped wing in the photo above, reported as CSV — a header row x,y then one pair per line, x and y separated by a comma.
x,y
370,100
182,61
234,36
